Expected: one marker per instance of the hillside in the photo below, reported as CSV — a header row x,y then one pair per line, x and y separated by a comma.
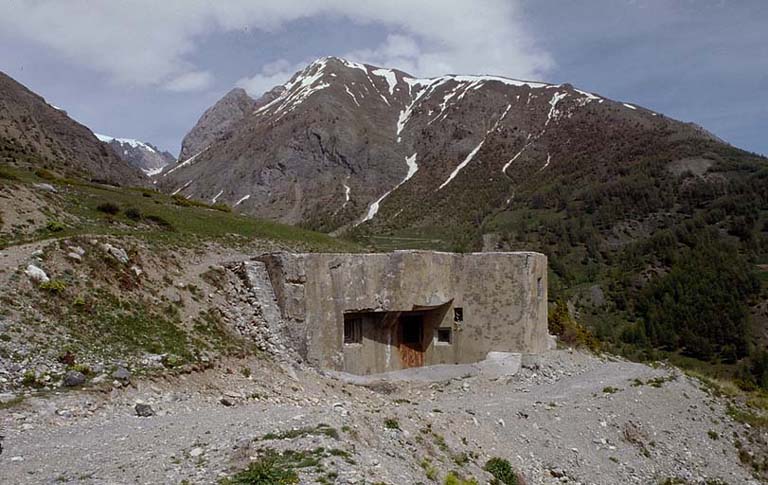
x,y
34,133
144,156
627,203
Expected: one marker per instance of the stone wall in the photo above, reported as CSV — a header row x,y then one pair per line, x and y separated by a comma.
x,y
502,297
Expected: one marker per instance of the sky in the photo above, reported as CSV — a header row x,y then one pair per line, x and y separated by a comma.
x,y
147,70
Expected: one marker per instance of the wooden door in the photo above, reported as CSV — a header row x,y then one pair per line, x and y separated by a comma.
x,y
411,338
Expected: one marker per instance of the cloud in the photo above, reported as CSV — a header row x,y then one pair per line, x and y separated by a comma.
x,y
150,43
190,81
271,75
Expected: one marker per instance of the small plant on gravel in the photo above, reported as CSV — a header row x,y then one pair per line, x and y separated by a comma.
x,y
82,368
108,208
713,434
29,379
429,469
246,372
271,469
54,286
610,390
391,423
461,459
320,429
453,478
502,471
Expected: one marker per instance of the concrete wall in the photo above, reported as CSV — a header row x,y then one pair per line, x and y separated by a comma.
x,y
503,297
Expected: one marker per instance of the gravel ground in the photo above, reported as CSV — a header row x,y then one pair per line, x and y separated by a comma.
x,y
566,417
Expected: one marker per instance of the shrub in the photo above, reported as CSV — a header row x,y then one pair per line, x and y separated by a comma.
x,y
268,470
502,472
454,479
133,214
45,174
429,470
54,286
29,378
570,331
160,221
108,208
182,201
391,423
55,226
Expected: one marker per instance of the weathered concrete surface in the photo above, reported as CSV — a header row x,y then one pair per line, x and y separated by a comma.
x,y
502,295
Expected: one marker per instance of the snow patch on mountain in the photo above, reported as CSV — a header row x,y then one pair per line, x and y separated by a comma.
x,y
186,162
553,111
462,164
242,199
151,172
546,164
125,141
354,98
373,209
390,76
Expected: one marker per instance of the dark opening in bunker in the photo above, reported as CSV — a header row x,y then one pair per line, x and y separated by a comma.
x,y
444,335
413,329
353,329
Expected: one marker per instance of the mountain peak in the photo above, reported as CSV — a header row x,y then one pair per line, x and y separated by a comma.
x,y
216,122
144,156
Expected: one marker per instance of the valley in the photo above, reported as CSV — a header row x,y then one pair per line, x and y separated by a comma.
x,y
135,347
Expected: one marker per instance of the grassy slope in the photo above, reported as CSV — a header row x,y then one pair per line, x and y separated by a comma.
x,y
96,311
163,219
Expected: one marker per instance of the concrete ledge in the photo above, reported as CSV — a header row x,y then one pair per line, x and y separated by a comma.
x,y
496,364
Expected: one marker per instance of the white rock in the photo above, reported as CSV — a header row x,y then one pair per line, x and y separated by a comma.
x,y
77,249
74,256
36,274
195,452
118,253
46,187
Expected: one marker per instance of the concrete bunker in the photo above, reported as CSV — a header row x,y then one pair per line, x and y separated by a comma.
x,y
372,313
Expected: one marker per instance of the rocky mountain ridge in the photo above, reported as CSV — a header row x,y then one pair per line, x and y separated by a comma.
x,y
33,132
346,143
144,156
